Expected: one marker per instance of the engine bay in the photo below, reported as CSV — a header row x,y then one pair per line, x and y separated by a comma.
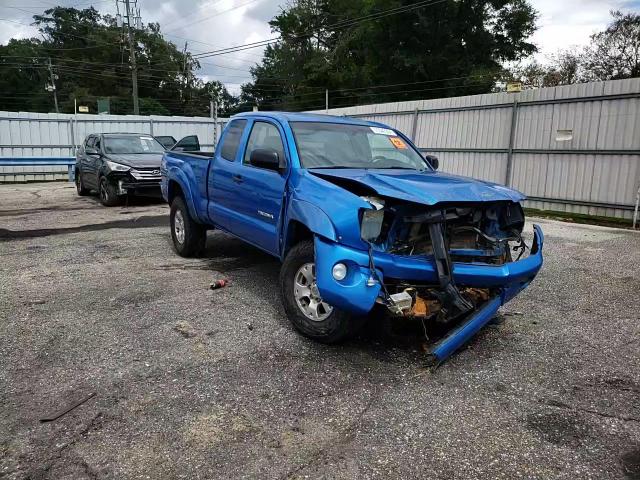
x,y
482,233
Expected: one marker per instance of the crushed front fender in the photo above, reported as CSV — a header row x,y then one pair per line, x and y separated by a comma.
x,y
354,293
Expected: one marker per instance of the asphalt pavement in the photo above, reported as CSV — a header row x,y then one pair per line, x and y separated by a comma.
x,y
196,384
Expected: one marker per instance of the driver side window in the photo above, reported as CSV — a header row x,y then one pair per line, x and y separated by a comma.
x,y
263,136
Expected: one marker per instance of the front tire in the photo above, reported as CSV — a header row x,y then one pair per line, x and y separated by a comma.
x,y
108,194
188,236
81,189
305,309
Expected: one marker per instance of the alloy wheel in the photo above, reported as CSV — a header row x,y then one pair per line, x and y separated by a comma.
x,y
178,226
307,296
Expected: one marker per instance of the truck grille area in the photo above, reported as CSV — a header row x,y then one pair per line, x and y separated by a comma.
x,y
486,233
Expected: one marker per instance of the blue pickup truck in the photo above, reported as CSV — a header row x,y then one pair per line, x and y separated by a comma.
x,y
358,217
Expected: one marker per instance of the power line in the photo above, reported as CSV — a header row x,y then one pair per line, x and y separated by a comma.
x,y
210,45
142,68
342,24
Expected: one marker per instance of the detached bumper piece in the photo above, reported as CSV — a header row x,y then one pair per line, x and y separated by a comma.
x,y
461,335
464,332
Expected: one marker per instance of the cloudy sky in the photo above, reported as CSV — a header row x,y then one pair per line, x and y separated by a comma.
x,y
212,24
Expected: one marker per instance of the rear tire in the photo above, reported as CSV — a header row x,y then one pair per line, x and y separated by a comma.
x,y
328,327
189,237
108,194
80,188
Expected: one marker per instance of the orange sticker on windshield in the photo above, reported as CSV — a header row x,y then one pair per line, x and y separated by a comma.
x,y
398,142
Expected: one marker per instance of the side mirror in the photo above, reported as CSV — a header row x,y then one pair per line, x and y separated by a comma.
x,y
265,158
91,151
433,161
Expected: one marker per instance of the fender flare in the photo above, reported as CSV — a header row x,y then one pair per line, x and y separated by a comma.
x,y
177,175
311,216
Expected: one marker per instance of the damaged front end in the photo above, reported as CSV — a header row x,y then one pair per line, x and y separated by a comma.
x,y
451,265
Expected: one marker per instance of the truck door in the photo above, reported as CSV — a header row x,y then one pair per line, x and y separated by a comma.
x,y
263,187
225,181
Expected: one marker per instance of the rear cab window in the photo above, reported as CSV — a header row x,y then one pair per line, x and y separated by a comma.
x,y
231,139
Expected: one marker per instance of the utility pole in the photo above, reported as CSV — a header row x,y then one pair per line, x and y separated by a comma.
x,y
183,92
132,57
326,100
52,87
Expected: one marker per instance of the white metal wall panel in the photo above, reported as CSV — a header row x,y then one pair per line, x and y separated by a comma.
x,y
582,118
529,173
569,177
533,129
487,128
614,87
616,179
620,125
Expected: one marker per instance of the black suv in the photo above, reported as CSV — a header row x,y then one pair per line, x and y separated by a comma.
x,y
117,164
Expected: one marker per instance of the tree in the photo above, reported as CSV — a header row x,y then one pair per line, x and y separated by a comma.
x,y
612,54
564,68
351,47
615,52
90,56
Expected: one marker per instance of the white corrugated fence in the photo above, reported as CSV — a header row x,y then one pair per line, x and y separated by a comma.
x,y
50,135
573,148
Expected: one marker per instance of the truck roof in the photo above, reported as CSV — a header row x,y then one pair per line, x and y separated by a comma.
x,y
307,117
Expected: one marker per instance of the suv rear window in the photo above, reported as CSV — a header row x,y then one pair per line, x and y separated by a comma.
x,y
231,140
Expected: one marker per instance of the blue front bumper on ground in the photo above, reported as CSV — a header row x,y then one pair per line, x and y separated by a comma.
x,y
355,295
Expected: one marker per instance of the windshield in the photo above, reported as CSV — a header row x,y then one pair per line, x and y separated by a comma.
x,y
336,145
132,144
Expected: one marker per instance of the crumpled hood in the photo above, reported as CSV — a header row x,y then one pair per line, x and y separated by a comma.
x,y
425,187
137,160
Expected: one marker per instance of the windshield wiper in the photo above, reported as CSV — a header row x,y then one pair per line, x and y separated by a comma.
x,y
333,166
398,168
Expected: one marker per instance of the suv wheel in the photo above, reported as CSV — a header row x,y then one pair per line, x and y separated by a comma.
x,y
81,189
306,310
188,236
108,194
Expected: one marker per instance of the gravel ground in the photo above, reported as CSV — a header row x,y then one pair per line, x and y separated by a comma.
x,y
192,383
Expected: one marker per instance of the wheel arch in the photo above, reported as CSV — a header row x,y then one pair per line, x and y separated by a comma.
x,y
177,186
304,221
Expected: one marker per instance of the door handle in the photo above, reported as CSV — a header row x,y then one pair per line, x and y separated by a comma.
x,y
237,178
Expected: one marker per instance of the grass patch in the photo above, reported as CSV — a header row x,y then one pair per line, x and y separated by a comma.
x,y
580,218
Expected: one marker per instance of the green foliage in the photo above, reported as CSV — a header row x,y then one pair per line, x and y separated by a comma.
x,y
615,52
612,54
90,56
455,47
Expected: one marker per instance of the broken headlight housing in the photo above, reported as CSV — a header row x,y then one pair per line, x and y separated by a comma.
x,y
371,221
